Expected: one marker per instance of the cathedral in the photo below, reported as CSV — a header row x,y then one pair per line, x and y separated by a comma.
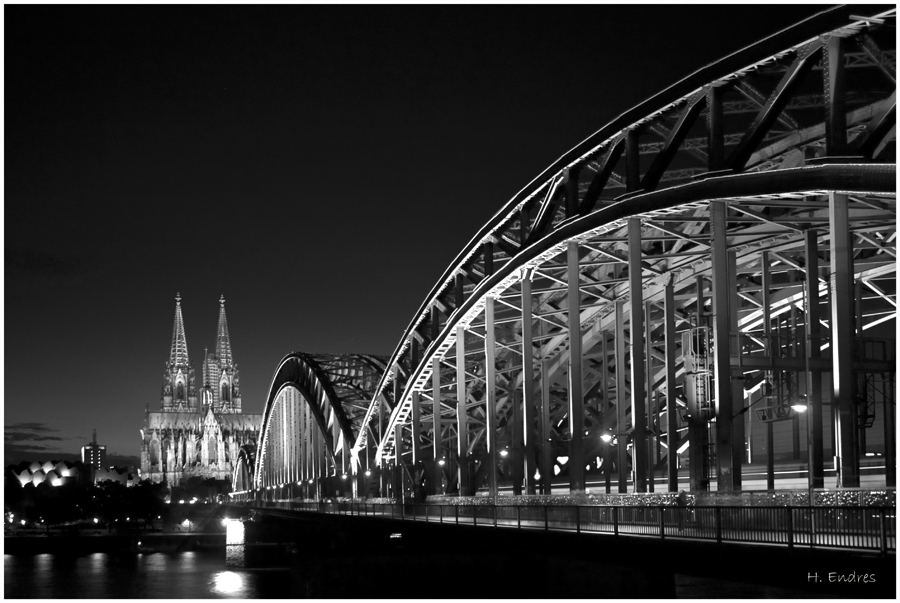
x,y
197,435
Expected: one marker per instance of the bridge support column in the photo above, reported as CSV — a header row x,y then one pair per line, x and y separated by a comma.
x,y
437,440
607,414
462,429
416,414
816,452
576,395
516,456
397,490
652,402
835,92
738,424
724,404
638,396
382,473
770,350
417,463
671,396
490,399
547,454
842,339
530,443
622,399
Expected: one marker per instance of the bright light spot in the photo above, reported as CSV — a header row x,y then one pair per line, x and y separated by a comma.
x,y
139,543
65,473
96,520
368,473
193,501
181,502
799,407
504,452
556,469
127,519
228,582
606,438
396,535
56,482
562,460
537,475
442,462
186,522
344,476
23,522
224,521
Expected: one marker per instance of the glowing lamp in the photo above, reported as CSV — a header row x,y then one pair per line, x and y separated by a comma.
x,y
504,452
606,438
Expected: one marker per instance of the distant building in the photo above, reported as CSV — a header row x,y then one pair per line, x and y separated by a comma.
x,y
94,454
56,473
191,437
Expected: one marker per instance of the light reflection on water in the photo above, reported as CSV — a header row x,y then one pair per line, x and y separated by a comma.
x,y
194,575
230,583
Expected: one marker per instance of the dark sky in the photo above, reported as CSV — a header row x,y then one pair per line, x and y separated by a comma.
x,y
319,166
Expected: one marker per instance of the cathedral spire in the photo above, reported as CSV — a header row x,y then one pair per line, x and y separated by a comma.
x,y
179,354
223,343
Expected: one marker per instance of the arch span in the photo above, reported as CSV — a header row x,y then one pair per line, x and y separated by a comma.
x,y
313,413
696,284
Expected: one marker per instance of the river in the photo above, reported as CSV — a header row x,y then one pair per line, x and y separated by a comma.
x,y
126,575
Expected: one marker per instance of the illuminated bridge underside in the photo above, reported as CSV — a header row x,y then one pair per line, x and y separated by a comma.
x,y
314,412
724,255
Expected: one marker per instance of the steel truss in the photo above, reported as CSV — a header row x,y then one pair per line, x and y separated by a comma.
x,y
313,413
745,267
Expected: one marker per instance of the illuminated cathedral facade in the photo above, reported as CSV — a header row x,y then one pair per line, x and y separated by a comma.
x,y
197,433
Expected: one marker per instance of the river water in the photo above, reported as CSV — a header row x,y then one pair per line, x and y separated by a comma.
x,y
126,575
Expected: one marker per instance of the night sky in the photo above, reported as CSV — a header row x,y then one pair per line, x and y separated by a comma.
x,y
320,166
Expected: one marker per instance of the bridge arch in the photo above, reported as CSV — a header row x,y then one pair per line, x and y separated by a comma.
x,y
244,467
312,415
710,248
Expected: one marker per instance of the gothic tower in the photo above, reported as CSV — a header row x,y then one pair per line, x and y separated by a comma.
x,y
221,379
179,393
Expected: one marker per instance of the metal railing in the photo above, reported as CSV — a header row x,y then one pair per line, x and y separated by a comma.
x,y
869,528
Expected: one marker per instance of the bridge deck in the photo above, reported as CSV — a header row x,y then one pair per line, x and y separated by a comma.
x,y
849,528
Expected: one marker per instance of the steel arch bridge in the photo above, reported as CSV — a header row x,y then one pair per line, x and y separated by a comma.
x,y
721,253
313,413
708,280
